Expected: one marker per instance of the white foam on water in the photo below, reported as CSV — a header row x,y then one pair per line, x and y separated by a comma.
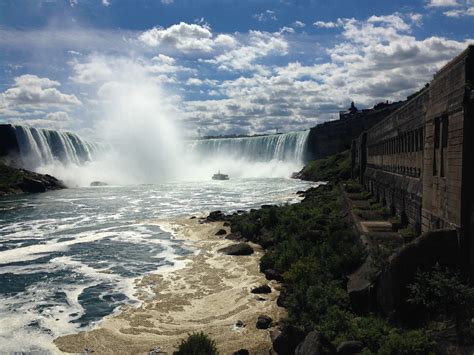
x,y
37,251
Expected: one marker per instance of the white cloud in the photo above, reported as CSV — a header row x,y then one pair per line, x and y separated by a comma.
x,y
258,45
460,13
33,91
299,24
184,37
442,3
268,15
106,2
329,24
167,2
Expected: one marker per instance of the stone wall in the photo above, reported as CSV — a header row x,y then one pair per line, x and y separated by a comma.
x,y
418,161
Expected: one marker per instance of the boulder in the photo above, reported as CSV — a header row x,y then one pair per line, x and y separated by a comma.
x,y
242,352
226,224
240,324
350,347
315,344
271,274
32,185
285,341
221,232
263,322
216,216
262,289
423,253
237,249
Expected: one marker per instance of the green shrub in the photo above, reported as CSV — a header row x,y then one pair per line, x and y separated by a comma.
x,y
197,344
443,294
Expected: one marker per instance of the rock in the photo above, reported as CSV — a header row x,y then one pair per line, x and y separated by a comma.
x,y
237,249
192,217
221,232
242,352
271,274
236,237
350,347
286,341
98,183
32,185
16,181
226,224
315,344
261,299
423,253
262,289
240,324
216,216
263,322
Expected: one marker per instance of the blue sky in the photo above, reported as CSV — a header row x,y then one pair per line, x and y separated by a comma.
x,y
222,66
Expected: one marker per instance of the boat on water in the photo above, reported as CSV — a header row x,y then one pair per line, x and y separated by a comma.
x,y
220,176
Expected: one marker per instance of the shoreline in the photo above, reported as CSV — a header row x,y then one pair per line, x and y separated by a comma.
x,y
208,291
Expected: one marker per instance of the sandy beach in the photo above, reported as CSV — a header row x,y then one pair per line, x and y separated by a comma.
x,y
208,292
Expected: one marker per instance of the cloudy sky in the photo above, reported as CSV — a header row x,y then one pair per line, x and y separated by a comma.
x,y
225,66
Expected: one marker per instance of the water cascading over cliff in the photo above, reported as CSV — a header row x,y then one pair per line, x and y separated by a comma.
x,y
265,156
78,162
39,147
280,147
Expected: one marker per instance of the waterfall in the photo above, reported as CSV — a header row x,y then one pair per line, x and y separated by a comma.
x,y
279,147
43,146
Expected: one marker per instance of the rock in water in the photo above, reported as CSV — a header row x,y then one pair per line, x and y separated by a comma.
x,y
264,322
262,289
17,181
237,249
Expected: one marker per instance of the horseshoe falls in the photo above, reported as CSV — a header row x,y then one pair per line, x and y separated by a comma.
x,y
78,162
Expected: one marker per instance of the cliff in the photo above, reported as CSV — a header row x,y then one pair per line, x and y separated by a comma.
x,y
17,181
336,136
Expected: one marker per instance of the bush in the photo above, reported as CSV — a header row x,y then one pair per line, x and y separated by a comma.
x,y
443,294
197,344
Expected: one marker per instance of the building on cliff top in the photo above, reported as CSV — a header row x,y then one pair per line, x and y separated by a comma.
x,y
418,161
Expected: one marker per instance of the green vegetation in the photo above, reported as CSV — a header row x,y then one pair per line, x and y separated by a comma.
x,y
444,297
334,168
314,247
197,344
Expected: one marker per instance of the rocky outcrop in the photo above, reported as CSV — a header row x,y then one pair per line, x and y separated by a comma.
x,y
17,181
237,249
423,253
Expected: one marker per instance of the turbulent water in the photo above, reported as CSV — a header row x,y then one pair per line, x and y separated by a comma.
x,y
68,258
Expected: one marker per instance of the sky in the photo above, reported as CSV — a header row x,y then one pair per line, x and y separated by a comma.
x,y
223,66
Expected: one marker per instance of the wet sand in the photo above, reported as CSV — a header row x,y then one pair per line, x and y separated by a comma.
x,y
209,292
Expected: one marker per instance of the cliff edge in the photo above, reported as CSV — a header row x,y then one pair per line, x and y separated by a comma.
x,y
17,181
